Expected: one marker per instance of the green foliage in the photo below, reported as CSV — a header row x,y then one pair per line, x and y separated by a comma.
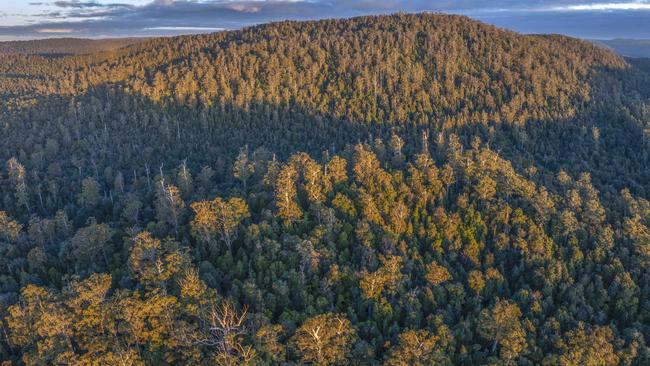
x,y
406,189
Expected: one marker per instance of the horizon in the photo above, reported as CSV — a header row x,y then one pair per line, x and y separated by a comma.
x,y
197,32
99,38
100,19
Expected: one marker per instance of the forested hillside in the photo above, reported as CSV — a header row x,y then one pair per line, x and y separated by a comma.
x,y
400,190
641,63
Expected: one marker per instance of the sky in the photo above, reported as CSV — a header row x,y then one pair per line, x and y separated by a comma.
x,y
30,19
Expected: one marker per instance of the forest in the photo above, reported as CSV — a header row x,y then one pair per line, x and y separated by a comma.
x,y
408,189
65,46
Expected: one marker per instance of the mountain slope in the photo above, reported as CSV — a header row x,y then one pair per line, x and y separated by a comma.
x,y
382,70
349,78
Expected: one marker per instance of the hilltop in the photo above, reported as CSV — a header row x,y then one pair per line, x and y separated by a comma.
x,y
351,78
354,69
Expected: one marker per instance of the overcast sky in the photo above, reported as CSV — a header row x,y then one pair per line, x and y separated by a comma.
x,y
28,19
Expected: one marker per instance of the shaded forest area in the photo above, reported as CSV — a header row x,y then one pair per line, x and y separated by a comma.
x,y
400,190
637,48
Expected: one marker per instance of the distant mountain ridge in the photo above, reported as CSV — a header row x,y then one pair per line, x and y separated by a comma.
x,y
65,46
627,47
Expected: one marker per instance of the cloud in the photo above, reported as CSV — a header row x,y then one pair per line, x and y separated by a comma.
x,y
606,6
54,30
94,18
243,8
75,4
186,28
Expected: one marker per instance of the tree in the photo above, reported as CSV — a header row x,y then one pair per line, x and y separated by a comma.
x,y
336,170
370,210
90,192
149,321
418,348
18,178
437,274
267,341
37,260
447,175
397,144
205,178
218,217
501,324
62,224
366,165
476,281
384,280
185,181
286,194
224,327
153,262
169,204
315,186
41,325
398,217
243,168
325,339
640,235
132,209
88,305
588,346
91,241
486,188
118,182
9,229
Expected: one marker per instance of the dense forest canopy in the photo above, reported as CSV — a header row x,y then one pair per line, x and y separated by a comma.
x,y
401,190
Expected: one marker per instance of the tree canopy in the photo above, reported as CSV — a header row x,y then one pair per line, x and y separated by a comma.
x,y
400,190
